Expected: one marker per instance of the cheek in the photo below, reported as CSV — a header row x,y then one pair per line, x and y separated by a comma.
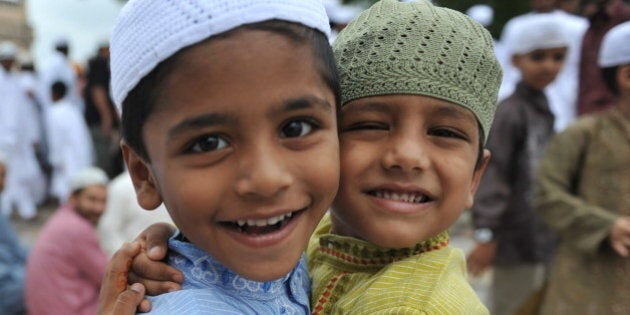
x,y
321,170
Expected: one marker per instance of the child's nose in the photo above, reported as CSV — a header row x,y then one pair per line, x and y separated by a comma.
x,y
263,174
405,154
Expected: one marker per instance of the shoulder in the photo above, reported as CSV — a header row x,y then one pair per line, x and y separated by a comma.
x,y
579,132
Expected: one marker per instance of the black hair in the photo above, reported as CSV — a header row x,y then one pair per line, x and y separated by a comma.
x,y
59,89
63,48
481,147
609,75
140,101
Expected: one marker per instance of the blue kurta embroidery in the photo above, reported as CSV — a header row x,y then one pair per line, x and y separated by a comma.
x,y
211,288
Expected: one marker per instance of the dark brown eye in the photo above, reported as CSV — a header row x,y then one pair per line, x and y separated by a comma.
x,y
296,128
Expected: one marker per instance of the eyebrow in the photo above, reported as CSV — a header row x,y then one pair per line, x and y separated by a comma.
x,y
455,111
295,104
369,107
202,121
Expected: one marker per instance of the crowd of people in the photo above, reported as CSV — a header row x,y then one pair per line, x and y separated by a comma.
x,y
333,189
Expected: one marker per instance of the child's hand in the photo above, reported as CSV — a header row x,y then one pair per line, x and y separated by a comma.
x,y
115,297
481,257
620,236
148,268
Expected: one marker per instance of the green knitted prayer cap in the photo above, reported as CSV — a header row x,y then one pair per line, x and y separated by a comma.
x,y
417,48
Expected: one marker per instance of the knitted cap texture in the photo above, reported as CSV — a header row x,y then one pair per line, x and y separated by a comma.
x,y
148,32
418,48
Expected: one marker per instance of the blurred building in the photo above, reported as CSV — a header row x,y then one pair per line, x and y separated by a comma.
x,y
13,23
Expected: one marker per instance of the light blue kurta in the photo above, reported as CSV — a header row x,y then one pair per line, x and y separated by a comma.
x,y
211,288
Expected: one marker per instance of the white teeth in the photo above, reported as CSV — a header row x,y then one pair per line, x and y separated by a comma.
x,y
404,197
274,220
264,222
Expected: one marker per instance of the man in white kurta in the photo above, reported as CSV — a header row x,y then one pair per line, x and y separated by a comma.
x,y
70,145
20,135
57,67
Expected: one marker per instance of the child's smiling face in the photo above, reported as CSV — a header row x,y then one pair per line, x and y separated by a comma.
x,y
243,150
407,168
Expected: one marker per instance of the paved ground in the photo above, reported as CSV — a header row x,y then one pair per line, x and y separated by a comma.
x,y
460,237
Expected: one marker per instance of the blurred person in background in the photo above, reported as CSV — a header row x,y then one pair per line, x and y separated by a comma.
x,y
12,261
66,264
509,236
58,67
69,140
124,219
593,94
562,93
583,192
100,113
26,181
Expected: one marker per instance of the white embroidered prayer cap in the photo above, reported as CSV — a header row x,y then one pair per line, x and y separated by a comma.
x,y
148,32
537,31
482,13
615,49
88,177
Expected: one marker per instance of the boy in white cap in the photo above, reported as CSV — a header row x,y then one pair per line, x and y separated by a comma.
x,y
583,193
229,119
66,264
509,235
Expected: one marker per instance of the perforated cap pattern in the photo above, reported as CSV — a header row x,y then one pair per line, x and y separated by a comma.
x,y
148,32
418,48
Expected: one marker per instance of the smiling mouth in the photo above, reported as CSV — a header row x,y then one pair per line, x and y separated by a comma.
x,y
409,197
262,226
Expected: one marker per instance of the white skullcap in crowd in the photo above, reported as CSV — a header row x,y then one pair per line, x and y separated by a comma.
x,y
339,13
482,13
8,50
148,32
537,31
88,177
615,49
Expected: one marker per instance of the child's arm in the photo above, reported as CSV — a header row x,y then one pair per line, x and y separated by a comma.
x,y
148,268
115,297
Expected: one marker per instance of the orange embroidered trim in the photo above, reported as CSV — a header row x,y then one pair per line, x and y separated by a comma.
x,y
376,261
326,295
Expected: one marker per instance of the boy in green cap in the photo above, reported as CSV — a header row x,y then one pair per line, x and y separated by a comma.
x,y
419,88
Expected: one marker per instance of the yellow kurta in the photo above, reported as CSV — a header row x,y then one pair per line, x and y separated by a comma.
x,y
351,276
583,186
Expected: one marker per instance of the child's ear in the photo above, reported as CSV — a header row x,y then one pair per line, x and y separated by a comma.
x,y
476,179
623,78
147,194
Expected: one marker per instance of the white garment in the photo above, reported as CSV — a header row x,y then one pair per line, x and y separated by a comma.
x,y
59,68
124,219
70,146
25,181
562,93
